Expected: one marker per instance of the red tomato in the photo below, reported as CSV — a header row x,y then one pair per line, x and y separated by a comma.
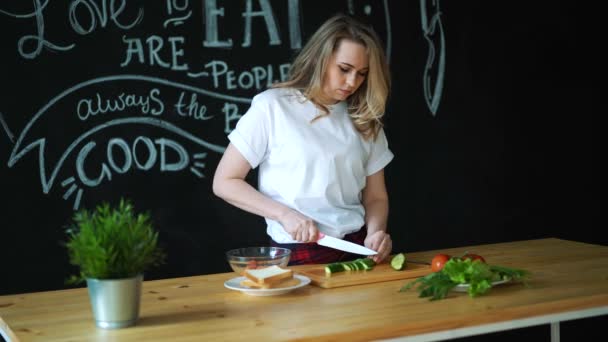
x,y
474,257
252,264
438,261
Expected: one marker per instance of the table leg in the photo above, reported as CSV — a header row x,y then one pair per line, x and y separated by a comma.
x,y
555,331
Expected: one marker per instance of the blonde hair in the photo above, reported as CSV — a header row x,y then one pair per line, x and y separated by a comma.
x,y
367,105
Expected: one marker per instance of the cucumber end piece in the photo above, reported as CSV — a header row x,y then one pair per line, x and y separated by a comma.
x,y
398,262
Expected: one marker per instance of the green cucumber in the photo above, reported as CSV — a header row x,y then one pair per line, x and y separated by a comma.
x,y
369,262
362,265
398,262
355,265
333,268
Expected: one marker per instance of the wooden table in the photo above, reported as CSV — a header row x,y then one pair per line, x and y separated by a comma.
x,y
570,281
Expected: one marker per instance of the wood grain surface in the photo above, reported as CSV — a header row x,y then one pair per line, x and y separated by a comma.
x,y
568,278
380,273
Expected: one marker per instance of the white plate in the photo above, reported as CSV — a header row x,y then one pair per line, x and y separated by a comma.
x,y
465,287
235,284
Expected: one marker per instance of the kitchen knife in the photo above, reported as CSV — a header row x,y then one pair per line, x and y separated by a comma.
x,y
332,242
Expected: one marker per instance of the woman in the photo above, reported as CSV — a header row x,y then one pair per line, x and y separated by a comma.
x,y
319,144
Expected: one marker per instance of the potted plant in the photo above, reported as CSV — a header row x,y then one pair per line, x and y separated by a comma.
x,y
112,247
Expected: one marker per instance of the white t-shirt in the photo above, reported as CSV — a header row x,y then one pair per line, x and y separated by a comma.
x,y
317,168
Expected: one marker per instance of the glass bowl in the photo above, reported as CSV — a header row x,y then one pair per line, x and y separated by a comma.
x,y
241,259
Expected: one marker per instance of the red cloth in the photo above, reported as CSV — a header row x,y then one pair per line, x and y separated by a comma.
x,y
312,253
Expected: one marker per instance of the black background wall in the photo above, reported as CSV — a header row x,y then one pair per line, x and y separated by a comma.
x,y
505,152
506,155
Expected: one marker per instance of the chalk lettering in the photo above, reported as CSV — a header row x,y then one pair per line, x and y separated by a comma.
x,y
150,104
258,76
165,49
173,5
295,35
105,172
284,71
194,109
154,45
10,134
182,160
231,116
95,13
177,51
151,152
134,46
120,158
212,12
266,13
38,38
126,155
211,29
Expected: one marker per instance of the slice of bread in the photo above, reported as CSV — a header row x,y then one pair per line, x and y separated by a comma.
x,y
287,282
266,277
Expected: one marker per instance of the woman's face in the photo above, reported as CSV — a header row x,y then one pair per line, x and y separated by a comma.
x,y
347,69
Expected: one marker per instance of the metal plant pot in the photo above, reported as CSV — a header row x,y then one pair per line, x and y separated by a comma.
x,y
115,302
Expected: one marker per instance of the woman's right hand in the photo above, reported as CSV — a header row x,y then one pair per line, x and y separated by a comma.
x,y
300,227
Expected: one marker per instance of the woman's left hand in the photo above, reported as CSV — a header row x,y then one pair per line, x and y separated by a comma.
x,y
381,242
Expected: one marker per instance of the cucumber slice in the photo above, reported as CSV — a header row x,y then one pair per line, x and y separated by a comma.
x,y
369,262
398,262
333,268
362,265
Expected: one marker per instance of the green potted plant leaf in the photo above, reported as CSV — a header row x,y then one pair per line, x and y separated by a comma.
x,y
112,247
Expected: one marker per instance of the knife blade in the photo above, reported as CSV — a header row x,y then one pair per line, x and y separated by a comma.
x,y
332,242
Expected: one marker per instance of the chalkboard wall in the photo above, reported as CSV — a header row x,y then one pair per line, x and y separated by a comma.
x,y
489,120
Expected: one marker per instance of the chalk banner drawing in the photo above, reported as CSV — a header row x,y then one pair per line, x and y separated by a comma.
x,y
434,34
198,80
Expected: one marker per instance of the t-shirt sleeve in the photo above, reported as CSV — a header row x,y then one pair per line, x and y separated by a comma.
x,y
380,155
250,136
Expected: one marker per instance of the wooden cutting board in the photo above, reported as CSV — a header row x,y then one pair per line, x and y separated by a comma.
x,y
379,273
